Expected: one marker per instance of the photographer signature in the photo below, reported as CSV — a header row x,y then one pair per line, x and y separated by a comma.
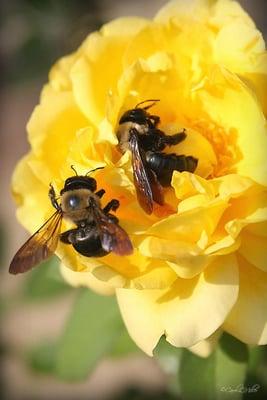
x,y
241,388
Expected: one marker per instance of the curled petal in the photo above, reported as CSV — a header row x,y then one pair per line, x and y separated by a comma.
x,y
205,347
247,320
179,312
254,249
85,279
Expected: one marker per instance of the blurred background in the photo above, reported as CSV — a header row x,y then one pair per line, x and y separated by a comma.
x,y
37,309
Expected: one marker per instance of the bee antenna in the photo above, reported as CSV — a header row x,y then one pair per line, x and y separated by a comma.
x,y
92,170
72,167
150,105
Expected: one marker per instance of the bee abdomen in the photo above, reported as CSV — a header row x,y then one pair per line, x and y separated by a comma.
x,y
91,247
164,165
85,241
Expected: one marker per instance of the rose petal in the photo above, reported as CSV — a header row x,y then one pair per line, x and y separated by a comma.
x,y
187,185
126,26
140,312
31,196
254,249
195,145
208,299
233,44
158,275
92,80
180,311
247,320
233,185
53,125
226,110
205,347
190,223
235,226
86,279
225,12
59,76
177,9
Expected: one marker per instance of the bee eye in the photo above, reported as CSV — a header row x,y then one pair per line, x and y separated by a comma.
x,y
74,202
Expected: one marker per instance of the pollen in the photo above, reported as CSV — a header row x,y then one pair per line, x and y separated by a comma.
x,y
224,144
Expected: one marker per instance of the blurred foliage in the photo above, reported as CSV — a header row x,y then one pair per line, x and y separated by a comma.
x,y
45,282
257,372
90,334
124,346
3,244
35,33
169,359
94,330
225,374
138,394
197,376
41,358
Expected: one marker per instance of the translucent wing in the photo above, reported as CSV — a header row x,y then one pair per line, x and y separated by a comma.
x,y
41,245
112,236
146,184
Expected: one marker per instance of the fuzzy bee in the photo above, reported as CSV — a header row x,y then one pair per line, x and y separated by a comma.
x,y
96,234
138,131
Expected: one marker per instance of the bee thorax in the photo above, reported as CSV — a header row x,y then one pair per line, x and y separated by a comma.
x,y
124,133
75,205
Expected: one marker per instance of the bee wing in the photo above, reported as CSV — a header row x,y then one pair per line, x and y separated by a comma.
x,y
41,245
146,184
157,190
112,236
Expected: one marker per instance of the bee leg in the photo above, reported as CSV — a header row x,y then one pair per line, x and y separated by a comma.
x,y
153,141
155,119
112,218
69,236
100,193
52,196
162,140
157,140
73,235
171,140
112,205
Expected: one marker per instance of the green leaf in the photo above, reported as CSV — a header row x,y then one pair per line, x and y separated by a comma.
x,y
168,355
169,358
197,377
42,357
124,345
91,332
256,380
45,281
231,368
221,376
256,357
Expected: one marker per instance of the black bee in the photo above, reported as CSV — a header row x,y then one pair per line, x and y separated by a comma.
x,y
97,233
138,131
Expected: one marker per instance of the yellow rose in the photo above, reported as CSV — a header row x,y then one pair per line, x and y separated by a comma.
x,y
199,264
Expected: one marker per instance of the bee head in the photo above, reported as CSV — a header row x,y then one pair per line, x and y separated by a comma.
x,y
79,182
138,115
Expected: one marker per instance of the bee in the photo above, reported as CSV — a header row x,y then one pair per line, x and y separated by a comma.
x,y
152,169
96,234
